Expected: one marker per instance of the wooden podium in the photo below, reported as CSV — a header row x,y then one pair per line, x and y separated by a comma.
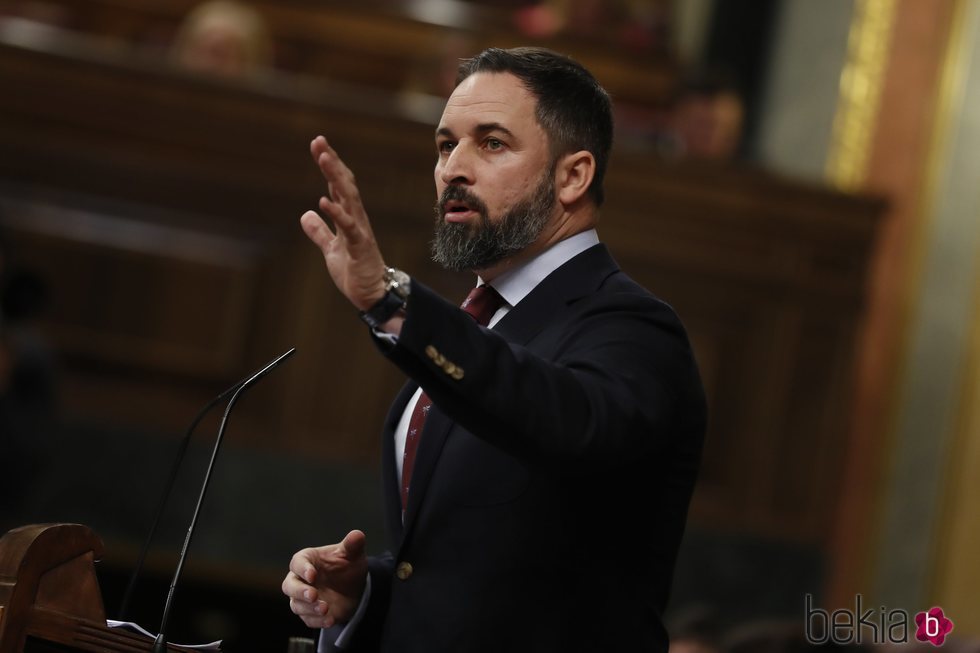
x,y
49,595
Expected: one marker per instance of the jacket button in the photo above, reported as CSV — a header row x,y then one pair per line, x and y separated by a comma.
x,y
404,570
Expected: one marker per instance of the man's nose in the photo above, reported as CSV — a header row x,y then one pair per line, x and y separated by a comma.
x,y
457,167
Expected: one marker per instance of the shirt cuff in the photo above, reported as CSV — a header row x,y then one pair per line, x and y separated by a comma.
x,y
384,336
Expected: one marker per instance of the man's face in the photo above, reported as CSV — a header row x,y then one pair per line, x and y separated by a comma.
x,y
494,175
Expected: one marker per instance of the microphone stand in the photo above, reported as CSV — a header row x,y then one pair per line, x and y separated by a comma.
x,y
174,467
160,644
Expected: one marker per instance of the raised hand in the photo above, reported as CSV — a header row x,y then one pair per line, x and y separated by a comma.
x,y
350,250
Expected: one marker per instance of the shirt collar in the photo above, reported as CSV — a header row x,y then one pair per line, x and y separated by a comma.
x,y
514,285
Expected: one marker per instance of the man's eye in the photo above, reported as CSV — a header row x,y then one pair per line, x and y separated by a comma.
x,y
494,144
446,146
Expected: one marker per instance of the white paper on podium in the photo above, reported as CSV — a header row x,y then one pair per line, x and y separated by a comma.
x,y
112,623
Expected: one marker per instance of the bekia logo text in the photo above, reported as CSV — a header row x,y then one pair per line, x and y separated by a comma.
x,y
880,626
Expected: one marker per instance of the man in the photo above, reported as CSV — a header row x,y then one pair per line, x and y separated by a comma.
x,y
537,503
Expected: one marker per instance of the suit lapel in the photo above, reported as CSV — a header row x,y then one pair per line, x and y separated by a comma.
x,y
575,279
578,277
389,473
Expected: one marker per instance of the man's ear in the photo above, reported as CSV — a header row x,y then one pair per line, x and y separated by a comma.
x,y
573,176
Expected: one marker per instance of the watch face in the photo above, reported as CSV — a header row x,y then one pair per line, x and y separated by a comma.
x,y
398,282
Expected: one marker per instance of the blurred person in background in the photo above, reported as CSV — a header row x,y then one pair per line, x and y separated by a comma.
x,y
707,117
638,26
225,38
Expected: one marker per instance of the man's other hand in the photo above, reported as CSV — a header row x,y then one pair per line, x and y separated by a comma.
x,y
325,584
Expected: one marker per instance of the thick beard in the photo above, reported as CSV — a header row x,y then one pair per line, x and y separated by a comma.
x,y
459,246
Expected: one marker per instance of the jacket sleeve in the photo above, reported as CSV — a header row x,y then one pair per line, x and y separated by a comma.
x,y
366,634
618,378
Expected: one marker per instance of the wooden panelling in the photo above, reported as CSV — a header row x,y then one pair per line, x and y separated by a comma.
x,y
132,292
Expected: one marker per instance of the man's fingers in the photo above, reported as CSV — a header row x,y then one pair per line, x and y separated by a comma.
x,y
331,166
304,600
313,618
353,545
352,230
308,608
317,147
302,567
342,206
291,585
341,182
334,170
316,229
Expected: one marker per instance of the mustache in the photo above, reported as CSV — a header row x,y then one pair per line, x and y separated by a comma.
x,y
457,193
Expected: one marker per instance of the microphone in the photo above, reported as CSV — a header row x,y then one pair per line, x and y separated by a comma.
x,y
174,467
160,644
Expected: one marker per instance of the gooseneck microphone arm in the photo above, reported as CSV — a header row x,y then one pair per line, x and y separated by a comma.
x,y
174,467
160,644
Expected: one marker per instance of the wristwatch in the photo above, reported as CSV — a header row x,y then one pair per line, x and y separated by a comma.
x,y
397,288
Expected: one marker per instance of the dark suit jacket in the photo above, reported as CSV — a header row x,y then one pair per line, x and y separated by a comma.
x,y
553,475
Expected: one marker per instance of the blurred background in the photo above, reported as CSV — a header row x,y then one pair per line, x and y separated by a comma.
x,y
797,177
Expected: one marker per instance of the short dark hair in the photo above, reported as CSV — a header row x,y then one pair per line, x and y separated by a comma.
x,y
574,110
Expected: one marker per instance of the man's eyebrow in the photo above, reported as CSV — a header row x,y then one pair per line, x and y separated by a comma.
x,y
482,128
486,127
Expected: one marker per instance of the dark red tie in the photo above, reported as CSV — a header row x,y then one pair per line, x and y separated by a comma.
x,y
482,302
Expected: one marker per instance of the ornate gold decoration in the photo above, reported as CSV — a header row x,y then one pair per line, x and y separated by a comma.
x,y
860,91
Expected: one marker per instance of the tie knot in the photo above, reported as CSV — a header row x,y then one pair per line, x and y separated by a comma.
x,y
482,302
